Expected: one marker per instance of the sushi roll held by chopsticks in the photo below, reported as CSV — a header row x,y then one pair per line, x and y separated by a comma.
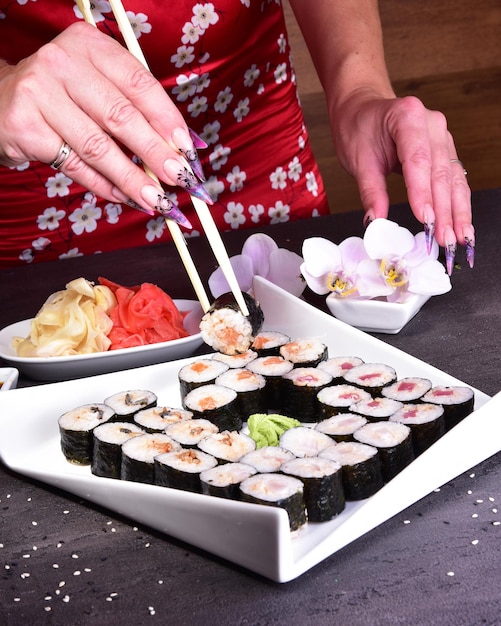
x,y
226,329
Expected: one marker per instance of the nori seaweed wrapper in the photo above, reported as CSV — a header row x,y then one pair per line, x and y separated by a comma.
x,y
77,443
396,458
107,456
300,400
182,469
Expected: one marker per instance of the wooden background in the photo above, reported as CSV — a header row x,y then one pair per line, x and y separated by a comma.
x,y
446,52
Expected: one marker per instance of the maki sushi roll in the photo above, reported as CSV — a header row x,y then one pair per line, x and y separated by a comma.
x,y
181,469
371,376
300,388
342,426
304,352
304,442
236,360
323,486
407,389
272,368
226,329
426,421
127,403
250,388
393,442
215,403
75,430
336,399
138,455
267,459
108,441
277,490
227,447
338,365
361,468
200,372
223,481
376,409
157,418
457,401
189,433
269,342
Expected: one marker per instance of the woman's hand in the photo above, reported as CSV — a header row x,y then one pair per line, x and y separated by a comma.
x,y
88,91
375,136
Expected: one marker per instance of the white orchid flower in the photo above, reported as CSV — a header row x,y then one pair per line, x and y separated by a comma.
x,y
404,262
261,256
344,270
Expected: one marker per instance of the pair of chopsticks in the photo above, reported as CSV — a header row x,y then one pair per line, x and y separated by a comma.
x,y
200,206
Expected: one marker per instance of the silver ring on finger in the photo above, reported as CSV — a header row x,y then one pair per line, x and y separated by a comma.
x,y
461,164
63,153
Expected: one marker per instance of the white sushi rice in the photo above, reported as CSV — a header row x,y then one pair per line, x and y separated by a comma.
x,y
117,432
382,434
337,366
236,360
407,389
146,447
304,442
341,424
420,413
376,408
271,487
268,458
228,446
269,340
308,377
241,379
349,452
370,375
209,397
303,350
190,461
227,474
270,366
190,432
85,417
227,331
342,396
202,371
448,395
311,467
129,402
159,417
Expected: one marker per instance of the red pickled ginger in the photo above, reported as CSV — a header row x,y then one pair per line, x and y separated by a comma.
x,y
145,314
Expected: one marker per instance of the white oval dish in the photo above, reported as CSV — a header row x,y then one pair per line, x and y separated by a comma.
x,y
79,365
375,316
8,378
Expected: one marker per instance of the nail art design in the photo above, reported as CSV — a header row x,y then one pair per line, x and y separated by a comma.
x,y
192,157
429,233
130,202
186,179
368,218
450,255
169,210
470,251
198,142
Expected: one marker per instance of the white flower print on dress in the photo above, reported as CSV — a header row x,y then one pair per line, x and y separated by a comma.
x,y
278,178
214,187
242,110
223,99
155,228
85,218
236,178
27,256
282,43
186,87
199,105
41,243
21,167
98,7
295,169
183,56
279,213
246,3
234,215
311,183
113,212
219,157
251,75
191,33
50,218
280,73
139,23
71,254
204,15
58,185
210,133
256,210
203,82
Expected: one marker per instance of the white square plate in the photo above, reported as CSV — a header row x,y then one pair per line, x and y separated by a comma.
x,y
8,378
253,536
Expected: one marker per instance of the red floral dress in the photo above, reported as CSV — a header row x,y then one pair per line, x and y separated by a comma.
x,y
226,64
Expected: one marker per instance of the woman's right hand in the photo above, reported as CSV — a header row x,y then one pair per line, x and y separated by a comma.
x,y
87,90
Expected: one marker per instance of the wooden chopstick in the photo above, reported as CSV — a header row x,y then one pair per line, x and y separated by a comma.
x,y
200,206
175,230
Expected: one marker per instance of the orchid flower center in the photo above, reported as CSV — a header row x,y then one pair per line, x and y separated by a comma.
x,y
341,286
393,275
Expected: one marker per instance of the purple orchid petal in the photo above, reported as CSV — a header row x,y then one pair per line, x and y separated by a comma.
x,y
386,239
258,248
242,266
321,257
429,279
285,271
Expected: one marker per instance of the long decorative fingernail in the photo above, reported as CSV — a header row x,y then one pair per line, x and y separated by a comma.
x,y
470,250
160,201
187,148
198,142
450,250
368,218
130,202
429,226
186,178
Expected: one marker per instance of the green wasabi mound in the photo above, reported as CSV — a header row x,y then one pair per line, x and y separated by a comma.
x,y
266,428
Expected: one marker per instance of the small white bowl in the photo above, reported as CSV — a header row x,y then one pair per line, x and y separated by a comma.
x,y
8,378
375,316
